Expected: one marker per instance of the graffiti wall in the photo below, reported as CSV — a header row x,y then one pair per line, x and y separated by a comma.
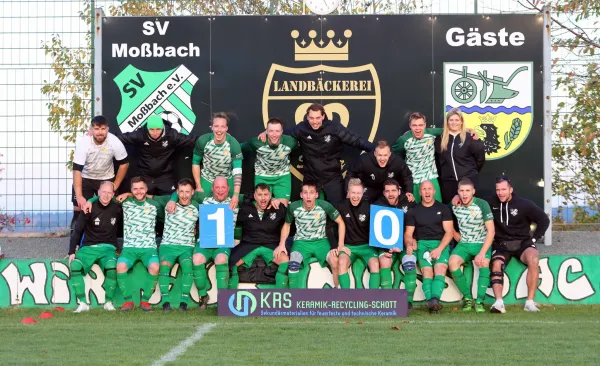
x,y
43,283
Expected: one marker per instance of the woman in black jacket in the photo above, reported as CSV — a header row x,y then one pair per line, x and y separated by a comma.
x,y
460,156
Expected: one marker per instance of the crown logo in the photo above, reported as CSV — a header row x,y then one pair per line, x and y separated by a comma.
x,y
318,51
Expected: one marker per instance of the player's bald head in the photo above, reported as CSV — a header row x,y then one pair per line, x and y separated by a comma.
x,y
220,181
426,184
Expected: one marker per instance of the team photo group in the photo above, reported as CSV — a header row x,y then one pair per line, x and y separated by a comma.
x,y
431,174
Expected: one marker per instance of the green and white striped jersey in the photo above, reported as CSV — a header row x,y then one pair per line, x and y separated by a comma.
x,y
471,220
218,160
180,226
310,225
420,153
139,223
271,161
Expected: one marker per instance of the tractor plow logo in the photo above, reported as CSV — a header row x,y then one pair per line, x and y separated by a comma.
x,y
496,100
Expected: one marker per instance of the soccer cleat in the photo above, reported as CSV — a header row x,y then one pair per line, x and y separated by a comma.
x,y
182,306
129,305
435,304
82,307
498,308
145,306
531,307
203,303
109,306
479,307
433,311
467,305
167,306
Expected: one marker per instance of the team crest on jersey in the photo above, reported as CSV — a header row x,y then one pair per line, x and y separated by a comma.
x,y
146,209
362,217
473,212
317,216
273,215
97,221
165,143
327,138
391,175
113,220
429,142
225,151
104,149
514,212
405,209
373,176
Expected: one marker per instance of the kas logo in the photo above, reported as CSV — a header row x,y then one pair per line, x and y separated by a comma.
x,y
113,221
346,92
496,99
164,93
242,303
362,217
514,212
273,216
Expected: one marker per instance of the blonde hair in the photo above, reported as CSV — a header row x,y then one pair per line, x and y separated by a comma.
x,y
446,133
354,182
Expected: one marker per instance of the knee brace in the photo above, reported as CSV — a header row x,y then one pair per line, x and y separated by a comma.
x,y
409,263
498,277
295,262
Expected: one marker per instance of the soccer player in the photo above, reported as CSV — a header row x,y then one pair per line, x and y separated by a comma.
x,y
220,155
272,165
321,144
430,224
418,147
177,245
310,215
98,246
392,197
374,169
356,213
513,216
93,163
220,256
157,144
474,234
261,226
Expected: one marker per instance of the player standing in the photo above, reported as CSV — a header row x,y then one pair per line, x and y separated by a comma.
x,y
475,234
430,224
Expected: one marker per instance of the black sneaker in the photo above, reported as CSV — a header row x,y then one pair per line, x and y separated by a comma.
x,y
183,306
410,306
433,311
435,304
167,306
429,304
203,304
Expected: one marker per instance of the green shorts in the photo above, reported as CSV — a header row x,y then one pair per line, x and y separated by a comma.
x,y
426,246
318,248
207,185
131,255
174,253
281,187
364,252
262,252
103,254
438,192
468,251
211,253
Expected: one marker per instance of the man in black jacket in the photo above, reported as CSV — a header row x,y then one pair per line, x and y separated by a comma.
x,y
374,169
157,144
261,228
513,217
98,246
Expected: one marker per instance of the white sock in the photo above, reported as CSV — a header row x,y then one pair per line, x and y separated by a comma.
x,y
529,302
499,302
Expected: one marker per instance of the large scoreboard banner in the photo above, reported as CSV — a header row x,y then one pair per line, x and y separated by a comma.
x,y
370,73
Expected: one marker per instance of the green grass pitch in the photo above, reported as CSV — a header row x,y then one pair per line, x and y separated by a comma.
x,y
555,336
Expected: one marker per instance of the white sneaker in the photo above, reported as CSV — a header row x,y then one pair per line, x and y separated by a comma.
x,y
82,307
530,306
498,308
109,306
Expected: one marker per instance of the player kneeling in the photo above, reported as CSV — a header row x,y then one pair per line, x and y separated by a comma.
x,y
310,240
261,222
356,213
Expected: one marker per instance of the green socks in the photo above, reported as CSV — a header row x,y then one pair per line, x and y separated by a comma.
x,y
124,286
281,278
427,288
222,276
386,278
200,279
344,280
186,279
294,279
461,283
110,283
234,279
163,282
374,280
78,285
482,283
150,286
437,286
410,283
